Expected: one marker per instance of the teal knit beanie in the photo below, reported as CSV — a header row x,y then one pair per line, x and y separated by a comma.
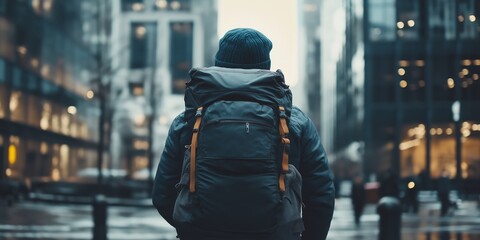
x,y
244,48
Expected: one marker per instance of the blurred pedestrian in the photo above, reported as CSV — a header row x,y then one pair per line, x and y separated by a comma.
x,y
358,198
389,185
233,184
411,195
443,192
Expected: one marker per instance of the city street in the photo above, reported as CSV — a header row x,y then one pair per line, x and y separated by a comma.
x,y
29,220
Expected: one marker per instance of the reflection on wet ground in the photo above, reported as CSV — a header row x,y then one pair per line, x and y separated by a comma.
x,y
59,221
462,224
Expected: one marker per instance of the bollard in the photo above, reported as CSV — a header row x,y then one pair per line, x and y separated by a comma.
x,y
99,205
390,212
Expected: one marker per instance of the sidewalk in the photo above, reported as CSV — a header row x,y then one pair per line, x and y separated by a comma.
x,y
43,220
463,223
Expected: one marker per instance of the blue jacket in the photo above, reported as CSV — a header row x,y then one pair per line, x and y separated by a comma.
x,y
306,154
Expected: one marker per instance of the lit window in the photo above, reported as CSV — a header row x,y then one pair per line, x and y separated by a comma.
x,y
55,123
175,5
162,4
72,110
403,84
411,23
36,5
401,71
420,63
450,83
137,7
467,62
400,25
34,62
403,63
439,131
472,18
45,71
461,18
43,148
15,100
90,94
22,50
139,120
47,5
140,145
421,83
140,31
449,131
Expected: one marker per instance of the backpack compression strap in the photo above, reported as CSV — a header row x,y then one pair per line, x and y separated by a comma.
x,y
193,147
283,129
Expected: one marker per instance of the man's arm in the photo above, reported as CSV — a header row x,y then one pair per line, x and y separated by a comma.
x,y
168,173
317,190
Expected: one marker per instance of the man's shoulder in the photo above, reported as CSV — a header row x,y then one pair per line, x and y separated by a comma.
x,y
179,122
298,120
298,116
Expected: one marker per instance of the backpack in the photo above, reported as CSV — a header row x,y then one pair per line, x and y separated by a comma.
x,y
236,180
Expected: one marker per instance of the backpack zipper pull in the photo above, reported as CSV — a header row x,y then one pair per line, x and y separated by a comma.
x,y
247,127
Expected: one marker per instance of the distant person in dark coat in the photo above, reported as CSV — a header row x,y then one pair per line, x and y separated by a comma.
x,y
358,198
411,194
443,192
389,185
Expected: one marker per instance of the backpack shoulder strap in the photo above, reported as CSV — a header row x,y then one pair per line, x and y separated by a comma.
x,y
283,129
193,147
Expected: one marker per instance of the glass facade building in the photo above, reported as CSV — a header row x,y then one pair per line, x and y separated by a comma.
x,y
421,86
416,69
48,117
165,39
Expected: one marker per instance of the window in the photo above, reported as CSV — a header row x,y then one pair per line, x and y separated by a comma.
x,y
6,39
442,149
172,5
443,78
17,106
381,20
133,5
469,79
412,150
412,80
143,43
3,101
382,140
181,51
470,150
408,19
383,79
34,110
442,19
468,18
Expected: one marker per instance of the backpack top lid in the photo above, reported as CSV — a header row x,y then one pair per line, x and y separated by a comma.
x,y
211,84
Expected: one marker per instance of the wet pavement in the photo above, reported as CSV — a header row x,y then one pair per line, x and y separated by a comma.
x,y
460,224
34,220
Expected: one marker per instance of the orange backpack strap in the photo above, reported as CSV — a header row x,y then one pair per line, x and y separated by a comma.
x,y
283,129
193,147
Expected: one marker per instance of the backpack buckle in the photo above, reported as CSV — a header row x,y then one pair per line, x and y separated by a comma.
x,y
199,112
